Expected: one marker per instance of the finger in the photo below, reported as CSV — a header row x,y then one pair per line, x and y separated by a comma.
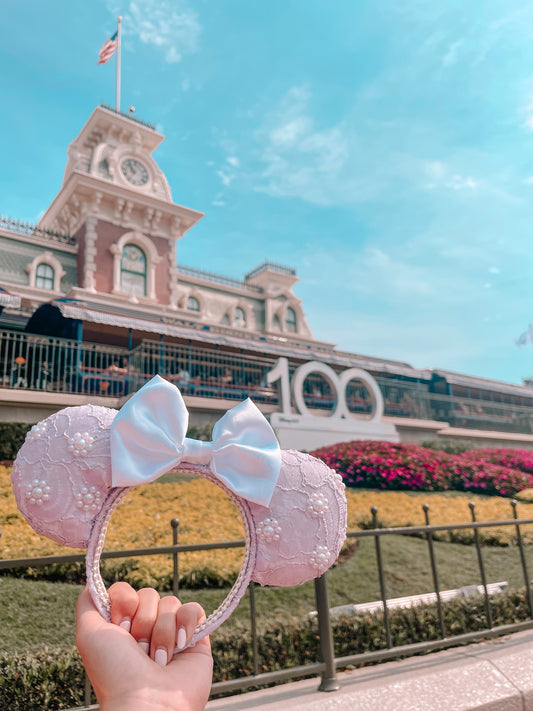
x,y
145,617
124,603
187,618
88,619
164,630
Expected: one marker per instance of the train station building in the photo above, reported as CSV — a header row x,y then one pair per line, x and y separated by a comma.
x,y
94,301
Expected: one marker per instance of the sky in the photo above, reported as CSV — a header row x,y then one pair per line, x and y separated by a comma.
x,y
382,148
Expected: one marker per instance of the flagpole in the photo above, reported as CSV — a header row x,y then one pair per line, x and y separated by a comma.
x,y
117,87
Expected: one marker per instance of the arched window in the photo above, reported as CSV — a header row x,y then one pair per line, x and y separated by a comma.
x,y
240,318
193,304
133,270
290,320
44,276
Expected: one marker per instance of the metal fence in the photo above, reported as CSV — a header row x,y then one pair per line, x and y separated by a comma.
x,y
43,363
328,664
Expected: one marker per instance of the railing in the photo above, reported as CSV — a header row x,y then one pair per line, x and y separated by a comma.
x,y
129,116
50,364
26,228
219,278
328,664
290,271
43,363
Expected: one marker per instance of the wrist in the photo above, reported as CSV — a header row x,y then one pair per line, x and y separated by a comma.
x,y
139,703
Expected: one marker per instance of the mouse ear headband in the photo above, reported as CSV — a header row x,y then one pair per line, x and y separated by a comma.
x,y
76,466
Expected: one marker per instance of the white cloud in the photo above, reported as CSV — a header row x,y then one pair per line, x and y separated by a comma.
x,y
299,159
172,27
225,178
450,57
233,161
461,182
441,176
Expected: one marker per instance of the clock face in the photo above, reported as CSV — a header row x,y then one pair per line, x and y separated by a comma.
x,y
134,172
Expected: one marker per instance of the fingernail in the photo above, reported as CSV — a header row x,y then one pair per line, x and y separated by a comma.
x,y
126,624
182,638
145,646
161,657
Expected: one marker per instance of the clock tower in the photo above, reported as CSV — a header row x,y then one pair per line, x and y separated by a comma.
x,y
117,203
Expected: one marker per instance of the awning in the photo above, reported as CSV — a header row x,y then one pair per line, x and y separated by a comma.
x,y
7,299
190,330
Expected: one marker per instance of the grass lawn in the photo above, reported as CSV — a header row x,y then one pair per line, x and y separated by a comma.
x,y
34,614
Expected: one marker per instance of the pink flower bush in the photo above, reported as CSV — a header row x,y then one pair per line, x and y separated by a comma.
x,y
386,465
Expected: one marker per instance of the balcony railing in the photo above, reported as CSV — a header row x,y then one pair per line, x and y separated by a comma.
x,y
42,363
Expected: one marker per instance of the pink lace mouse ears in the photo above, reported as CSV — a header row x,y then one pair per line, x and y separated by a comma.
x,y
77,465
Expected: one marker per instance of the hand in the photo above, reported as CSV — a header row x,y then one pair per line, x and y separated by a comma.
x,y
130,660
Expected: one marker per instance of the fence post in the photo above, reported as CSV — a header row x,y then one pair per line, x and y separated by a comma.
x,y
523,559
329,677
175,578
488,612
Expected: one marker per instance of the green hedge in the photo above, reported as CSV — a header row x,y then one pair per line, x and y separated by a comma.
x,y
55,680
12,435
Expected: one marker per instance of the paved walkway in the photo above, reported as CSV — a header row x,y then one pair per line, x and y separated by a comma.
x,y
491,676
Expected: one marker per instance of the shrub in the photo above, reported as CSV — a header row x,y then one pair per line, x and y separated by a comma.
x,y
12,435
385,465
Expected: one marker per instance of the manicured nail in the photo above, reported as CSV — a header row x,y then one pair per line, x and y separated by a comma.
x,y
145,646
182,638
161,657
126,624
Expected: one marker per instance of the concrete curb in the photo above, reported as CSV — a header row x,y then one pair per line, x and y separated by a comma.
x,y
496,675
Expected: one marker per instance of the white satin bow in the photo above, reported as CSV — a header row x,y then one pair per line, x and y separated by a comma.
x,y
148,439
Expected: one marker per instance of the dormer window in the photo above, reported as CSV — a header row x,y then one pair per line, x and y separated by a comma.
x,y
46,272
44,276
240,318
290,320
193,304
133,270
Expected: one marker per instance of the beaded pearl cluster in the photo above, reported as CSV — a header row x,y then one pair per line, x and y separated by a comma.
x,y
37,492
88,498
268,530
80,443
37,432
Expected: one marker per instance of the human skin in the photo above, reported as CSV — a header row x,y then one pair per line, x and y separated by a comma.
x,y
130,660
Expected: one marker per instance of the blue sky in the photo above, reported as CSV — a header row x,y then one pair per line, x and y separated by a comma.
x,y
384,149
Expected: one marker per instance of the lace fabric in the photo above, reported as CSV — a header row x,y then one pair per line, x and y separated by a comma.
x,y
61,476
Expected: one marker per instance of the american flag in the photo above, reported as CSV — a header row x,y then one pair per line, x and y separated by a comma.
x,y
108,49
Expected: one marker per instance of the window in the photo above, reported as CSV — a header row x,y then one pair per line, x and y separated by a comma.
x,y
134,266
290,320
133,270
240,318
44,276
193,304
